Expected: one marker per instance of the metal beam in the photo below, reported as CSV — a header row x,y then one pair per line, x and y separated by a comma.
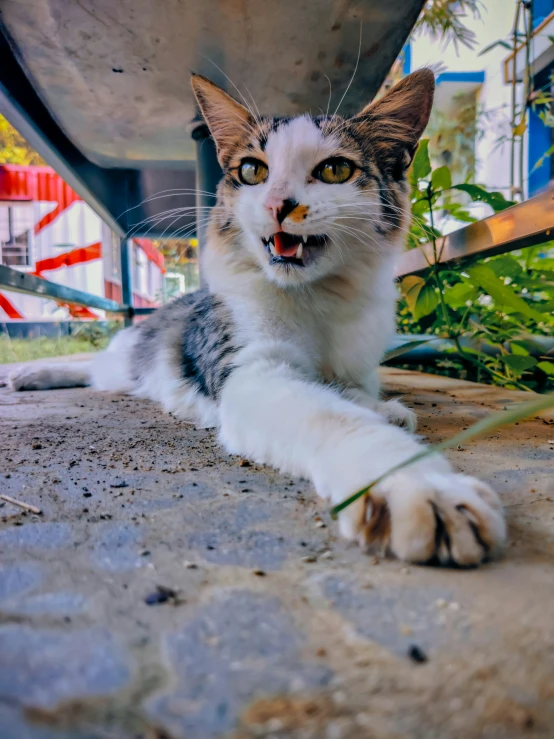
x,y
125,251
126,199
526,224
21,282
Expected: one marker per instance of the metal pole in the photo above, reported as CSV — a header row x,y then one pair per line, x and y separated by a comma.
x,y
208,174
125,249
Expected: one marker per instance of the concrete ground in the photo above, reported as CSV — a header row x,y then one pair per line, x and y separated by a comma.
x,y
168,591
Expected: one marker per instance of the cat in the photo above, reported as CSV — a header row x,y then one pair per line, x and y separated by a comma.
x,y
280,350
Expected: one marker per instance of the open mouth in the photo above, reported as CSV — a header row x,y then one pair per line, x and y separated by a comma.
x,y
288,248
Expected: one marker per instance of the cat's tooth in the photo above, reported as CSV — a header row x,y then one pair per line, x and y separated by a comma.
x,y
272,248
304,239
299,251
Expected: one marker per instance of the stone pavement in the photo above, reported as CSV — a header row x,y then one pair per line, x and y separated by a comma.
x,y
168,592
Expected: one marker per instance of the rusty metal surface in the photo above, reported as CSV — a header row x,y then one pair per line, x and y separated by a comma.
x,y
115,75
525,224
280,629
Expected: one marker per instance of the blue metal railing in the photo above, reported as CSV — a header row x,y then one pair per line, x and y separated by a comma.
x,y
22,282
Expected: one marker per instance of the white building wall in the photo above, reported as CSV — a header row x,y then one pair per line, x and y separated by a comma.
x,y
76,227
493,160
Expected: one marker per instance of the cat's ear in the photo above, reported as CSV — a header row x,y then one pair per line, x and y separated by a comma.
x,y
229,122
395,122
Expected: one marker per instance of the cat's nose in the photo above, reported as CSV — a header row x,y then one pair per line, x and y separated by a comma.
x,y
280,208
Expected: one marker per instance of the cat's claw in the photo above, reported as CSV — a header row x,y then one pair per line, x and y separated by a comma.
x,y
444,518
396,413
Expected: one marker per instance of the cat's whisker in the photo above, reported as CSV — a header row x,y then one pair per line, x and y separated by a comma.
x,y
192,225
166,213
330,95
172,192
155,219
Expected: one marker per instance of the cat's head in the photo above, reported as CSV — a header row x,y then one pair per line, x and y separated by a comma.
x,y
311,195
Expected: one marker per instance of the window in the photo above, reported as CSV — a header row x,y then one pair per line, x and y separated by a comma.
x,y
14,236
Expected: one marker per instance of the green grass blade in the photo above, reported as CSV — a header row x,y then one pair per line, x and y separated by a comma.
x,y
484,426
398,351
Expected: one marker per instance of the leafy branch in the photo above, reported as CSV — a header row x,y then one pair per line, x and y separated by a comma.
x,y
485,309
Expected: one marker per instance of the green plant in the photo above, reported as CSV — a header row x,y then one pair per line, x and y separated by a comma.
x,y
491,309
13,147
445,19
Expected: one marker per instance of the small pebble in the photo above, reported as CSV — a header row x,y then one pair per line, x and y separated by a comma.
x,y
309,558
244,463
190,565
320,525
162,594
259,573
416,654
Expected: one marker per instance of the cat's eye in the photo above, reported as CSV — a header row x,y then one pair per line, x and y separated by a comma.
x,y
253,172
334,171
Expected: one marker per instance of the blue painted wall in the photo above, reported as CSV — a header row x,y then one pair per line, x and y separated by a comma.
x,y
538,143
541,9
539,135
407,51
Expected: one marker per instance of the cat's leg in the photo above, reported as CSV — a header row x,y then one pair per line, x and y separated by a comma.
x,y
108,370
393,410
51,376
273,411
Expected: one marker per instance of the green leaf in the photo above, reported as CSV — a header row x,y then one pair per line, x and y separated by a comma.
x,y
441,179
505,266
518,363
460,213
503,295
457,296
410,288
525,346
516,348
484,426
538,164
420,207
478,193
547,367
492,46
421,166
404,348
426,302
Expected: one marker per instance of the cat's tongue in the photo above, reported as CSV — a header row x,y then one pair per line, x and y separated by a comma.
x,y
286,245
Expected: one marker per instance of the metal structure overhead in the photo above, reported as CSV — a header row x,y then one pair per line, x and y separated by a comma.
x,y
101,88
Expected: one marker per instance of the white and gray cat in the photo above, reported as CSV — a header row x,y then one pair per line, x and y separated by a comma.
x,y
280,351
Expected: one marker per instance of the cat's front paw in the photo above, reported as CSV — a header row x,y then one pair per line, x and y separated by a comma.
x,y
398,414
430,516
